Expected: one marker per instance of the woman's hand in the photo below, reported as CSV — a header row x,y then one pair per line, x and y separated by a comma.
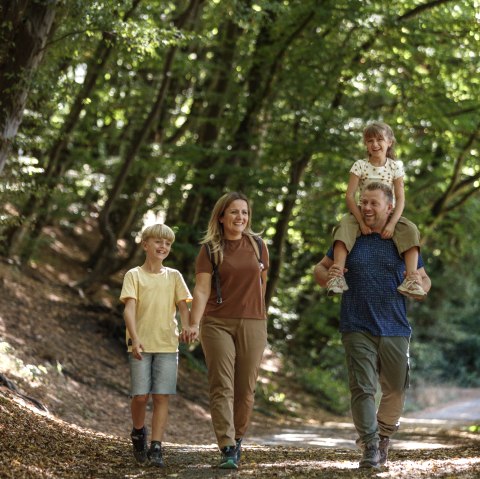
x,y
189,334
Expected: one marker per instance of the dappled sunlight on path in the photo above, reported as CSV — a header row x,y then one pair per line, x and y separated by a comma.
x,y
304,462
58,449
421,430
414,434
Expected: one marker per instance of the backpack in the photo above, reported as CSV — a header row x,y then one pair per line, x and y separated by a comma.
x,y
257,247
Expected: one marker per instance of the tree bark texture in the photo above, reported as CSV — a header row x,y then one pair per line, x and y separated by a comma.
x,y
36,210
24,30
297,169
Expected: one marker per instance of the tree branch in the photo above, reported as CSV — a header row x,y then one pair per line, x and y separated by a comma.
x,y
422,8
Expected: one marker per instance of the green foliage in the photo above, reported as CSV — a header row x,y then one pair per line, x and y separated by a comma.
x,y
332,393
270,399
445,337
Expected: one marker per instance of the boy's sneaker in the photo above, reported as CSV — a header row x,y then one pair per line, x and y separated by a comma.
x,y
412,289
229,458
371,457
155,454
139,442
383,446
336,285
238,449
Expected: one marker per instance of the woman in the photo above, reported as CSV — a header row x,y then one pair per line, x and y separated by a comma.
x,y
229,306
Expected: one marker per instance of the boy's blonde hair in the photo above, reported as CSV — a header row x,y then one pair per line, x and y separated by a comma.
x,y
378,129
158,231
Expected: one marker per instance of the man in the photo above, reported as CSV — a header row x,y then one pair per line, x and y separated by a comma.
x,y
374,326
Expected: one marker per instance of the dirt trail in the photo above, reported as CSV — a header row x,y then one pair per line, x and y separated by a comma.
x,y
465,408
39,446
419,430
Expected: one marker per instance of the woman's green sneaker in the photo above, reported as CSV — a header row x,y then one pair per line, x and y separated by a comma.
x,y
229,458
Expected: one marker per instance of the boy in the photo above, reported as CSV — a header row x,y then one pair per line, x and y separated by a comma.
x,y
151,293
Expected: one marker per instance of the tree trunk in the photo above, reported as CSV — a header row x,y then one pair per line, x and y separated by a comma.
x,y
106,254
297,168
24,31
260,79
201,198
35,213
460,188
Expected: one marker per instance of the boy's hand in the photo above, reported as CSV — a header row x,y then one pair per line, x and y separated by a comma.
x,y
189,334
137,349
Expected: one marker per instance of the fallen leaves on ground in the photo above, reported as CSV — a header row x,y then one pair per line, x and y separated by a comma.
x,y
35,445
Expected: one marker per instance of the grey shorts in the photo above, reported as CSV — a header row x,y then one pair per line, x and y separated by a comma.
x,y
155,373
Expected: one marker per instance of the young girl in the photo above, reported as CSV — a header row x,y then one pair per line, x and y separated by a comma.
x,y
381,166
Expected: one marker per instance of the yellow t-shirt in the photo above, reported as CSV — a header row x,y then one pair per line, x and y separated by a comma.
x,y
156,298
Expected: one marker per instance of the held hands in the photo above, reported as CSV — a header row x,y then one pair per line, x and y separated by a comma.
x,y
189,334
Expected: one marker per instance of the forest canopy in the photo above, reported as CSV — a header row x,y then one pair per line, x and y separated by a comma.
x,y
124,113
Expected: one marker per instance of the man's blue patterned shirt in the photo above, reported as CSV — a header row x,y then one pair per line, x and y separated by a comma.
x,y
372,303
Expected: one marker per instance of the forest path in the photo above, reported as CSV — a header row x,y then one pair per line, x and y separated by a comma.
x,y
423,448
419,430
433,443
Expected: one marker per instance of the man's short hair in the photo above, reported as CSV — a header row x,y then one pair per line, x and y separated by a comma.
x,y
377,185
158,231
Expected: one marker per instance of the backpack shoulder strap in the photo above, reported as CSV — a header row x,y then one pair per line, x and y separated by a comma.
x,y
216,275
257,247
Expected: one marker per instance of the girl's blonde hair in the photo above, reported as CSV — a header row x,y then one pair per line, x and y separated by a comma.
x,y
158,231
215,235
377,129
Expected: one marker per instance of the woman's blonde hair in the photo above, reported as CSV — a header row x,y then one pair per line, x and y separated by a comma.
x,y
215,235
378,129
158,231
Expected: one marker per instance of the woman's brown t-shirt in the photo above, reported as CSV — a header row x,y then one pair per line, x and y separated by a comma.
x,y
240,281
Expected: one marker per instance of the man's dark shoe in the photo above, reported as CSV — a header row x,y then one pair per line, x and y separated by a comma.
x,y
371,457
238,449
229,458
155,454
139,442
383,446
